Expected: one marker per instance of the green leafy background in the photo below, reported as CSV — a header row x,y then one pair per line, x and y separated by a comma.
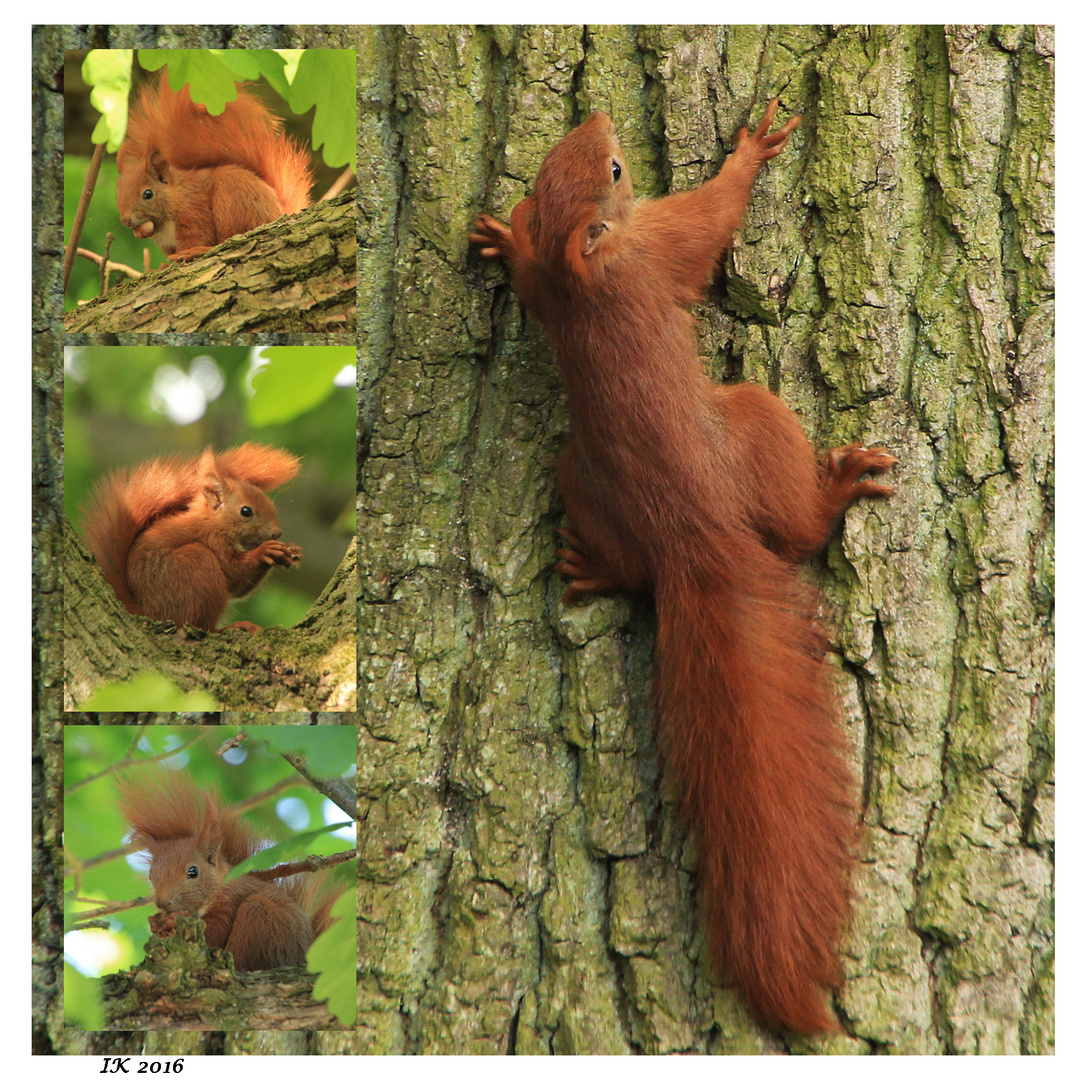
x,y
110,421
148,691
94,830
316,86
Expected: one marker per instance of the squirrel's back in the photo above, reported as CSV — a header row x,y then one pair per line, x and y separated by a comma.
x,y
187,136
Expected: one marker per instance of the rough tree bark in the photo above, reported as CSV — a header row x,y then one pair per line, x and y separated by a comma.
x,y
526,882
307,667
296,275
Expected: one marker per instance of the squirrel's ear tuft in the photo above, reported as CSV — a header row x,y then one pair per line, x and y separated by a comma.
x,y
210,842
213,487
159,166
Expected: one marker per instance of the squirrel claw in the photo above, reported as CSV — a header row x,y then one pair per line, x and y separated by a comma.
x,y
278,553
495,238
574,564
845,464
848,462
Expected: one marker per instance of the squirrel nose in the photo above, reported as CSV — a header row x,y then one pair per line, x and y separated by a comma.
x,y
275,533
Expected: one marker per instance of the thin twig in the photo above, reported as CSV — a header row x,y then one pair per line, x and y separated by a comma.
x,y
302,866
338,790
104,287
97,259
339,185
80,213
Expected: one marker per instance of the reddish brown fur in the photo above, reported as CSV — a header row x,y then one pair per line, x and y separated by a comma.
x,y
173,537
192,180
263,924
704,495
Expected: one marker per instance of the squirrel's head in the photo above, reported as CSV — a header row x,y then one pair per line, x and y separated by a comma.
x,y
583,197
186,873
191,838
142,191
244,512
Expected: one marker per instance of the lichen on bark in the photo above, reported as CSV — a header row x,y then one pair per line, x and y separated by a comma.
x,y
892,283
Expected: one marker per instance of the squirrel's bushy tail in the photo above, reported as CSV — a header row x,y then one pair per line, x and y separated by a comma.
x,y
247,134
748,733
124,503
316,894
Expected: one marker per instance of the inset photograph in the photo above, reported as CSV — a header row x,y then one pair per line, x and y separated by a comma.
x,y
210,190
212,559
211,877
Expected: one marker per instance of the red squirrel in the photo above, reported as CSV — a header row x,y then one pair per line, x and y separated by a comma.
x,y
706,496
177,538
191,180
194,841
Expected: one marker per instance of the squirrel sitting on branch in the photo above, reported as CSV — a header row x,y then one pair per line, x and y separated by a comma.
x,y
190,180
193,841
177,538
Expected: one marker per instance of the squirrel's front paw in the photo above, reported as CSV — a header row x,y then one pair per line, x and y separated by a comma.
x,y
495,238
187,254
761,145
278,553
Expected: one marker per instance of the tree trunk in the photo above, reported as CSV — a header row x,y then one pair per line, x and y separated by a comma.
x,y
893,283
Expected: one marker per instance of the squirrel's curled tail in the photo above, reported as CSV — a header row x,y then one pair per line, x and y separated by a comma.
x,y
748,735
316,894
246,134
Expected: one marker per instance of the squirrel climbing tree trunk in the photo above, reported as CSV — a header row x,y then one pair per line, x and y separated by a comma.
x,y
893,282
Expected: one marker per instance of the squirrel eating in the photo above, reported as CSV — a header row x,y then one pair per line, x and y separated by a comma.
x,y
706,496
191,180
193,841
177,538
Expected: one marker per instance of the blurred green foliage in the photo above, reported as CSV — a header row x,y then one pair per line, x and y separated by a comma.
x,y
128,404
148,692
82,999
336,984
98,872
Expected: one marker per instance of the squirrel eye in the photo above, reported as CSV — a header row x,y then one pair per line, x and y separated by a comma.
x,y
148,194
192,871
616,171
246,511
